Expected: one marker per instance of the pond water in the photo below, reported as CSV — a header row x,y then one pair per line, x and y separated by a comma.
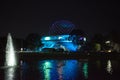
x,y
63,70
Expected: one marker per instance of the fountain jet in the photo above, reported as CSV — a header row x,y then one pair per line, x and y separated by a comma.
x,y
10,57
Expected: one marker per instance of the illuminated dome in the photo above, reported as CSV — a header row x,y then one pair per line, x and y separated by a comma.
x,y
61,27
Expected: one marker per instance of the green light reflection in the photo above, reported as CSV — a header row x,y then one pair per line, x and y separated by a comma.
x,y
46,69
85,70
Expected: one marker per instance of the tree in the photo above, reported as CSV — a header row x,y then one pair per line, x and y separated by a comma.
x,y
33,41
114,36
78,32
98,41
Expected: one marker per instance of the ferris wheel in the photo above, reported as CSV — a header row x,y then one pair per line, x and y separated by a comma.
x,y
61,27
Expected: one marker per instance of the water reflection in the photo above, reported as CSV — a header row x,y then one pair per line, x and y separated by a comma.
x,y
70,70
63,70
109,67
60,70
47,68
85,70
10,73
60,65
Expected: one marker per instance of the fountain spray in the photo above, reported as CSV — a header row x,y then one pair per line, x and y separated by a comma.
x,y
10,57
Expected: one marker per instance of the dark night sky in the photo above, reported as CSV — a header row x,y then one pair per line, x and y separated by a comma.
x,y
22,18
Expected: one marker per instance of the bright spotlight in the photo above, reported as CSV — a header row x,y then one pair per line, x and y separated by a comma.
x,y
47,38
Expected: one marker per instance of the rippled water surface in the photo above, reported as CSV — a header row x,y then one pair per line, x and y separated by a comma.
x,y
63,70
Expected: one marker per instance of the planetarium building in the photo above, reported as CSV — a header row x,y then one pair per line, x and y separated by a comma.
x,y
63,35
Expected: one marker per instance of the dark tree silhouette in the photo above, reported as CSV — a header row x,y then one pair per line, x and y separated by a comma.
x,y
98,38
77,32
33,41
114,36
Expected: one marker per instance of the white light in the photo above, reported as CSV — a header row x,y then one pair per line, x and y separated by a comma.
x,y
107,42
109,51
59,37
47,38
109,67
84,39
21,49
10,73
10,58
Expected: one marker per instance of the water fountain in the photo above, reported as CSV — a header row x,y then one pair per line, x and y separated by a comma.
x,y
10,57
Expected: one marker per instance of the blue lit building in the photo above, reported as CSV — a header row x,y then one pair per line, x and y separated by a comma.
x,y
60,37
70,43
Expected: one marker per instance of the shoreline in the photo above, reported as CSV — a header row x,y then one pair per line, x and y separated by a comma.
x,y
33,56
